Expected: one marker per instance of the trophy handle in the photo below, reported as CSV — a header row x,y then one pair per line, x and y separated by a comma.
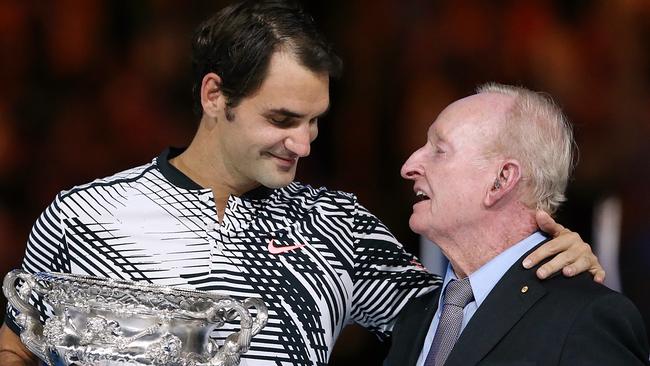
x,y
239,342
262,314
32,334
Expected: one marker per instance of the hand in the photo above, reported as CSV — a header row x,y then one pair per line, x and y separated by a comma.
x,y
12,351
572,255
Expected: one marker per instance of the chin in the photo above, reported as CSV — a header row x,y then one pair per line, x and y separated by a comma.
x,y
276,186
277,182
415,225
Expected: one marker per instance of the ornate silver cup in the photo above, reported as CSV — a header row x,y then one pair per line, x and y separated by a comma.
x,y
100,321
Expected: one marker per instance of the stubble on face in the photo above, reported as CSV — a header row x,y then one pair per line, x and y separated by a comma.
x,y
257,146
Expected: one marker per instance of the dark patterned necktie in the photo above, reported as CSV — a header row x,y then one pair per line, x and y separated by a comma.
x,y
458,293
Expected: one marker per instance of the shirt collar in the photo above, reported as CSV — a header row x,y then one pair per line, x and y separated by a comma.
x,y
173,175
485,278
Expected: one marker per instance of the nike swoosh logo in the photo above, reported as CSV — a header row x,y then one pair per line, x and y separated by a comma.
x,y
279,250
417,264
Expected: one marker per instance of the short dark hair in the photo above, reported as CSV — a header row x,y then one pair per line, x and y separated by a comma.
x,y
237,44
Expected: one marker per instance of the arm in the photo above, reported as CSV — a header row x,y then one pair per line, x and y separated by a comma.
x,y
385,276
572,255
12,350
46,238
609,331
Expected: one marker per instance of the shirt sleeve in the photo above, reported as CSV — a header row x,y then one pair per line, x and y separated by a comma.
x,y
385,275
45,253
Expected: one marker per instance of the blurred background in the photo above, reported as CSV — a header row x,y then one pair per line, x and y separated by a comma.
x,y
92,87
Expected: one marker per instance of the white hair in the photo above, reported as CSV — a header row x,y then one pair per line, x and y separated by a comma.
x,y
538,134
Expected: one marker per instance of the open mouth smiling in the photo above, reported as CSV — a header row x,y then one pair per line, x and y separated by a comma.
x,y
420,196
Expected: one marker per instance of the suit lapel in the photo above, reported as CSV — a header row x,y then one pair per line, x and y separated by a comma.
x,y
413,328
516,292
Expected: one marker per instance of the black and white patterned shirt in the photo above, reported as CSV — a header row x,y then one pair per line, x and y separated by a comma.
x,y
154,224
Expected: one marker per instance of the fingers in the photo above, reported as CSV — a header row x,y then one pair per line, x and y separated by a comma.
x,y
585,263
561,243
599,275
571,254
560,262
571,258
546,223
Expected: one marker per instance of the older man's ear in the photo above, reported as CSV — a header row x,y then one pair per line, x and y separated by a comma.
x,y
506,180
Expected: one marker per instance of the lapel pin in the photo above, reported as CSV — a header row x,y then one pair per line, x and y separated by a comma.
x,y
524,289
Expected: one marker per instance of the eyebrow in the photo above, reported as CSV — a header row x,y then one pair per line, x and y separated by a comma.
x,y
292,114
434,136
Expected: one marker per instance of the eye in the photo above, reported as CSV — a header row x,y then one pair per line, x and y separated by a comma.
x,y
313,121
439,150
281,121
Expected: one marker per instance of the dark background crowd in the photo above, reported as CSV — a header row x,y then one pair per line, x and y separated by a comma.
x,y
92,87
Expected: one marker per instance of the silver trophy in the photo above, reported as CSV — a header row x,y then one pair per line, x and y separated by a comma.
x,y
101,322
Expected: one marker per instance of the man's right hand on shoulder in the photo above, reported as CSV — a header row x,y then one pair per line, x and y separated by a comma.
x,y
12,351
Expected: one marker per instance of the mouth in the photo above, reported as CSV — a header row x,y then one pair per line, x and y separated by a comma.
x,y
420,196
284,161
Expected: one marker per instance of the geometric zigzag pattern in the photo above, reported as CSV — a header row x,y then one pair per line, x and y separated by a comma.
x,y
148,224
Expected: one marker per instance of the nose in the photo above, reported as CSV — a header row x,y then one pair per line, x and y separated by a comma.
x,y
299,141
412,167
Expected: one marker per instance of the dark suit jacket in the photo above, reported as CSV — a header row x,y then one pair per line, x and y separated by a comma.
x,y
558,321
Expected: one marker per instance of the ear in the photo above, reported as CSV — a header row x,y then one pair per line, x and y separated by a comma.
x,y
212,100
506,180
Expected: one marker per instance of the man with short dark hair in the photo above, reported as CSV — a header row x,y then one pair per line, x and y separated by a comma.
x,y
490,160
225,215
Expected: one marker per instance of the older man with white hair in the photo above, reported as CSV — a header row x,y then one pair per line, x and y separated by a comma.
x,y
489,162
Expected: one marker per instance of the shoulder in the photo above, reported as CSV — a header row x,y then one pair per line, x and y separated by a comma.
x,y
126,177
581,287
104,195
582,299
595,295
602,319
320,198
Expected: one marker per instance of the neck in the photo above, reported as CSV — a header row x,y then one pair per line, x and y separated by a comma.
x,y
469,248
200,164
